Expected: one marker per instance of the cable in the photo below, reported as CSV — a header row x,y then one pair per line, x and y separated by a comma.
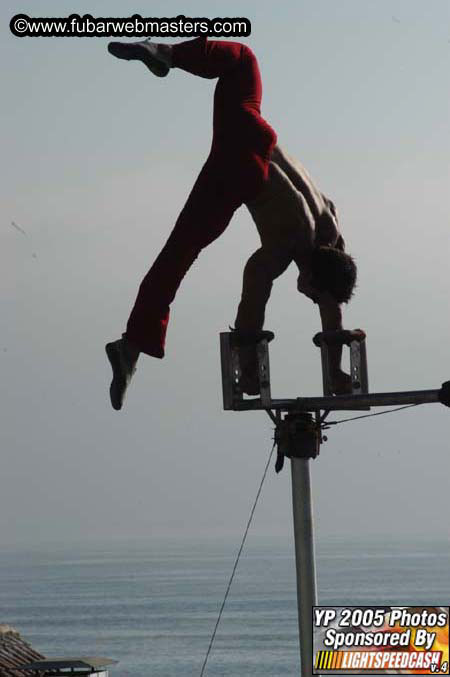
x,y
378,413
252,512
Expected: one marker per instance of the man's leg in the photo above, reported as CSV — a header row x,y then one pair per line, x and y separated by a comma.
x,y
238,125
202,57
262,268
219,191
203,219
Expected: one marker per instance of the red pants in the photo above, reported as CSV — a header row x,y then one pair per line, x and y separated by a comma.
x,y
234,172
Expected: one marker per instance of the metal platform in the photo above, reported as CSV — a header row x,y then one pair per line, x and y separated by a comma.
x,y
234,398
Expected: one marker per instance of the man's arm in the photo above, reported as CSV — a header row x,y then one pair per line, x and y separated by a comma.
x,y
331,317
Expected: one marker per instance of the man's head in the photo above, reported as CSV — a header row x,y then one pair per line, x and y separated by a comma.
x,y
331,271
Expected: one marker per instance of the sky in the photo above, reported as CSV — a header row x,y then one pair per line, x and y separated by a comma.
x,y
98,159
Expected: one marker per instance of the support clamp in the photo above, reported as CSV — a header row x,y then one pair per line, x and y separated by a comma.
x,y
296,436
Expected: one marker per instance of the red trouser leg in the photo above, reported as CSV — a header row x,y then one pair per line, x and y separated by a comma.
x,y
238,124
234,172
204,217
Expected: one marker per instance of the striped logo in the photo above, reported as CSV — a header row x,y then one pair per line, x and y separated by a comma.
x,y
328,660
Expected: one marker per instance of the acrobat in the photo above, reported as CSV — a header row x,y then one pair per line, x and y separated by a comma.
x,y
296,222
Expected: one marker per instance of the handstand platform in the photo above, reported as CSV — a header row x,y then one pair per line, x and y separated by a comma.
x,y
360,398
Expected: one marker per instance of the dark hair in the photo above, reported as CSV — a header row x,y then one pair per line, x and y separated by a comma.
x,y
334,271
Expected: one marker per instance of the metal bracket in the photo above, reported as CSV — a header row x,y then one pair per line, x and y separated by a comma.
x,y
358,367
232,376
299,436
356,340
232,391
296,436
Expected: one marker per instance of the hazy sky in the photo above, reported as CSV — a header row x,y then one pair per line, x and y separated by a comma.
x,y
98,160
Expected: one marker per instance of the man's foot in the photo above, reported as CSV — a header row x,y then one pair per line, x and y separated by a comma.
x,y
123,360
155,56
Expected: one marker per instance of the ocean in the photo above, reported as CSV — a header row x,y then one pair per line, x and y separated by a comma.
x,y
153,605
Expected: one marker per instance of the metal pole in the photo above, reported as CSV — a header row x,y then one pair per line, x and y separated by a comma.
x,y
370,400
298,437
338,402
304,558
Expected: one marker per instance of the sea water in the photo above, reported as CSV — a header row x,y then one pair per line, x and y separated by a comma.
x,y
153,605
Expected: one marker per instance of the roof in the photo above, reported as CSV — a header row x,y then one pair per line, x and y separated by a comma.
x,y
14,653
65,663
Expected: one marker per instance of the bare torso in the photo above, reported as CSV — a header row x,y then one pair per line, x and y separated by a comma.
x,y
290,212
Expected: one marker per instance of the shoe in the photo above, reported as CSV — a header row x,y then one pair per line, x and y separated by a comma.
x,y
144,51
123,366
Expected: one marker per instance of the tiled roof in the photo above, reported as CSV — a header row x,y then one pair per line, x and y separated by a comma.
x,y
14,652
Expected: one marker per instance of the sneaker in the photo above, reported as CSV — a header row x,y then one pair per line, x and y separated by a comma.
x,y
144,51
124,366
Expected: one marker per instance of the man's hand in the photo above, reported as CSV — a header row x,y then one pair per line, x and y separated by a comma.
x,y
341,383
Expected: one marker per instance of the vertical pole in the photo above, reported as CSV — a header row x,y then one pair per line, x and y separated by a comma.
x,y
304,558
298,438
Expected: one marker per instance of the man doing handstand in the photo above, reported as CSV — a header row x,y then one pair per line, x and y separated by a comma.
x,y
295,222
